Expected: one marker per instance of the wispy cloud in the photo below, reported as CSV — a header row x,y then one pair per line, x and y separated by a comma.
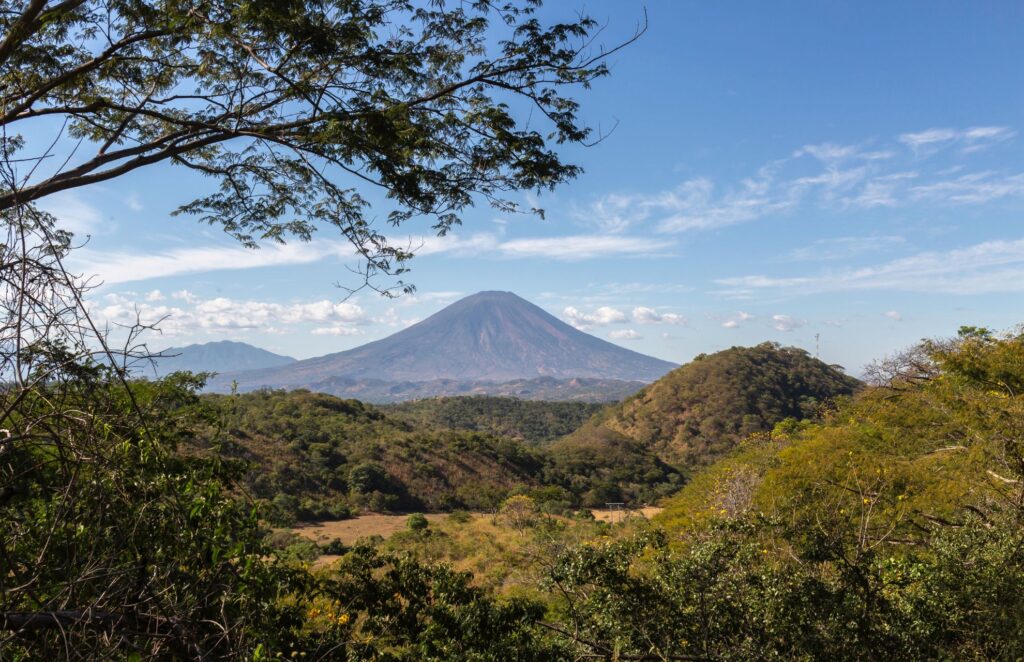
x,y
73,213
839,248
123,267
920,139
625,334
581,247
972,139
116,267
133,202
987,267
828,175
974,188
567,248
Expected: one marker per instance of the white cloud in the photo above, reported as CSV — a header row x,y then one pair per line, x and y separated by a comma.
x,y
124,267
581,247
831,153
695,205
118,267
837,248
184,295
624,334
221,314
882,191
645,315
335,330
827,152
974,138
155,295
928,137
786,323
568,248
974,188
988,267
841,176
452,243
73,213
613,213
893,315
601,317
737,319
133,202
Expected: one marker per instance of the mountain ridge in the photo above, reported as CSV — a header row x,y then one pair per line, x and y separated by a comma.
x,y
217,356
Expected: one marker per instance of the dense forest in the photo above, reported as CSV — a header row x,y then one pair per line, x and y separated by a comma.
x,y
529,420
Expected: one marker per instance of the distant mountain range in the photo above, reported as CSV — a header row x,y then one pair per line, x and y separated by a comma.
x,y
493,343
222,357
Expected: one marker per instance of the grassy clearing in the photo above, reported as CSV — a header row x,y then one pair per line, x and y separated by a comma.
x,y
364,526
605,515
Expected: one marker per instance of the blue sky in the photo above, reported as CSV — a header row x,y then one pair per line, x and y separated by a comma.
x,y
778,171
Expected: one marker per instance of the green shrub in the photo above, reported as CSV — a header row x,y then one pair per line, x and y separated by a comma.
x,y
460,517
417,522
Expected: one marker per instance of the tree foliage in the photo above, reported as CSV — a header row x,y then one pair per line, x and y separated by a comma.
x,y
533,421
700,411
291,107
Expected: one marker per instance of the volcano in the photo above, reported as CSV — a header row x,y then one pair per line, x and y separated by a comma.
x,y
489,336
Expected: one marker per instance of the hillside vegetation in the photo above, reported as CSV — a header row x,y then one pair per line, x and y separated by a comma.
x,y
892,529
528,420
316,456
700,411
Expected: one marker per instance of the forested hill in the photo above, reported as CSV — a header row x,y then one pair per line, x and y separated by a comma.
x,y
315,456
703,409
528,420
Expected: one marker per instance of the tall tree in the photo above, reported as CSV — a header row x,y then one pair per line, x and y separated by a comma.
x,y
293,105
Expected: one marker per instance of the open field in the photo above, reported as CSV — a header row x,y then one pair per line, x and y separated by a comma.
x,y
364,526
605,515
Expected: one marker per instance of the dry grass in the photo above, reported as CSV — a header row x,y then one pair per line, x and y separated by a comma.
x,y
605,515
364,526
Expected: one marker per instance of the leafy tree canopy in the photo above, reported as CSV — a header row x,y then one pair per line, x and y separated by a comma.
x,y
289,105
